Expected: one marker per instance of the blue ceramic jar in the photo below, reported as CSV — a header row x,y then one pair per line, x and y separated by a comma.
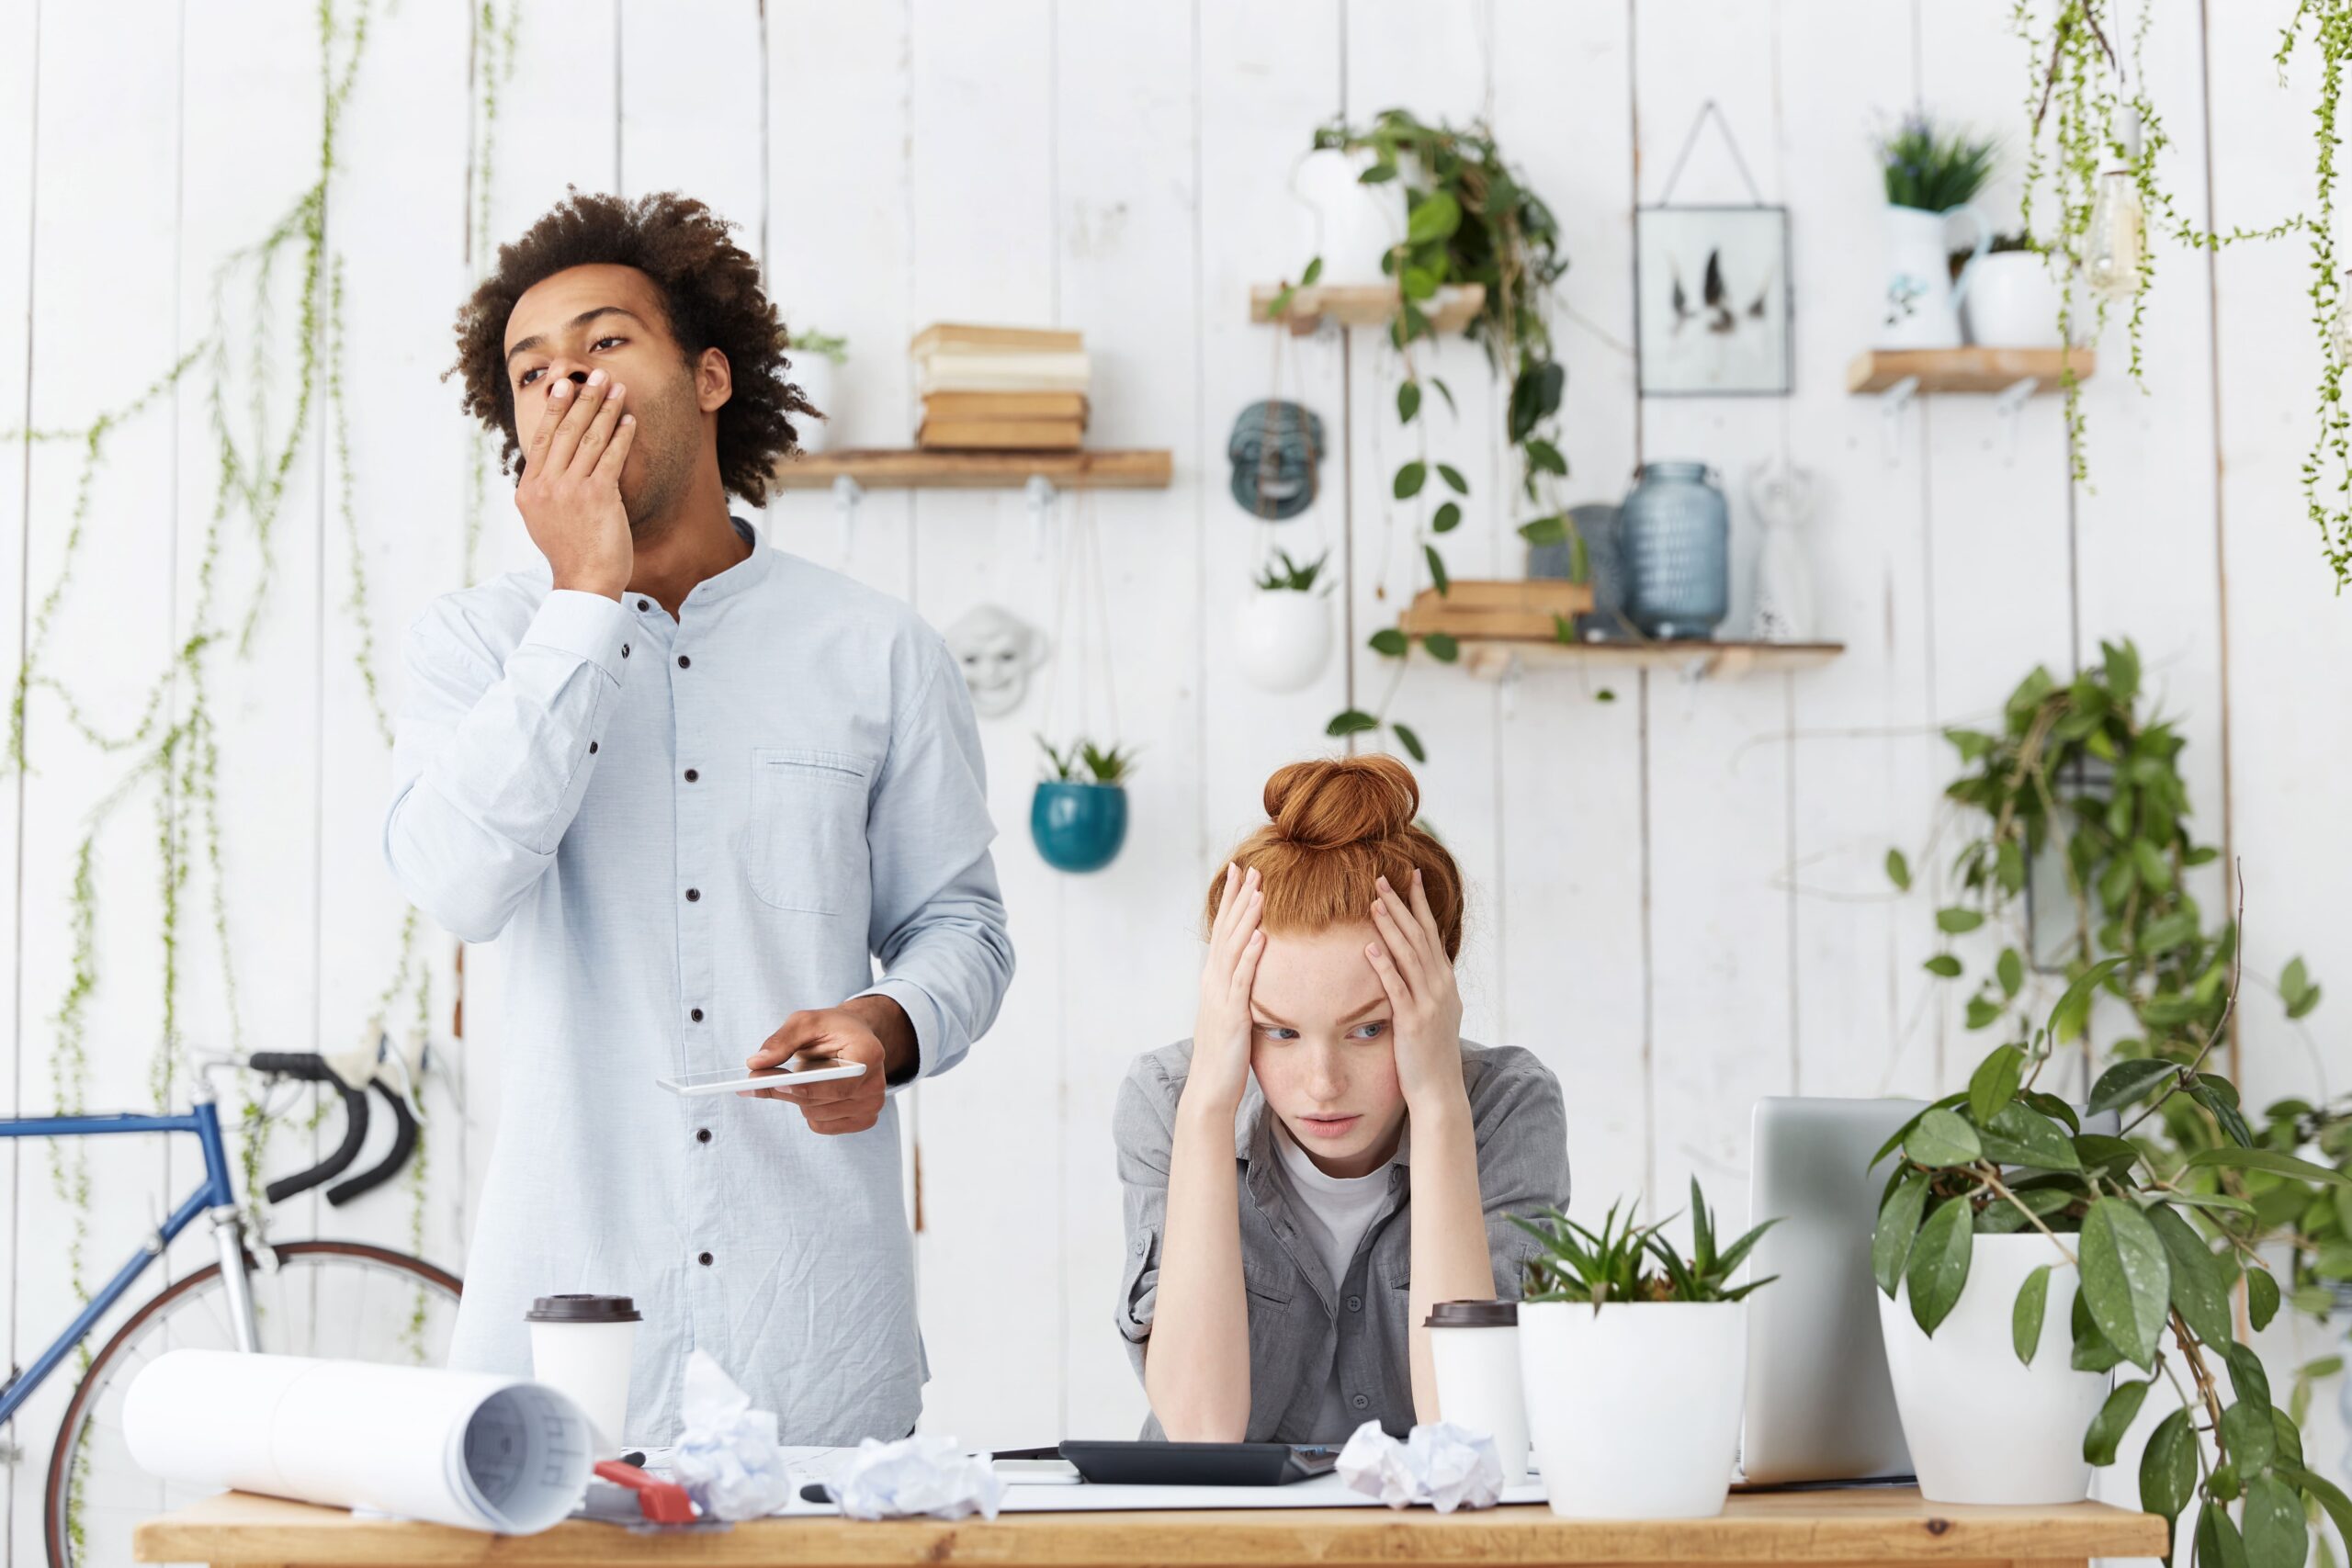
x,y
1674,535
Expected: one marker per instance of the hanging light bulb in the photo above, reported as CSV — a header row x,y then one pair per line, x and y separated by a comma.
x,y
2119,226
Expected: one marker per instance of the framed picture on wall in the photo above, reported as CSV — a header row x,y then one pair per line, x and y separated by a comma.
x,y
1711,300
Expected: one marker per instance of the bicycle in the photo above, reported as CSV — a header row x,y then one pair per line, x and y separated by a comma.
x,y
343,1298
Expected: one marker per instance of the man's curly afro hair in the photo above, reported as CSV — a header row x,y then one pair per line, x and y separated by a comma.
x,y
710,286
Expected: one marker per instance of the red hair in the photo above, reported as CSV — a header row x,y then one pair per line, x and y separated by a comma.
x,y
1335,825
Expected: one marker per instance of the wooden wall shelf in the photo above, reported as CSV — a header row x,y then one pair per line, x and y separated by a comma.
x,y
891,468
1365,305
1495,659
1968,370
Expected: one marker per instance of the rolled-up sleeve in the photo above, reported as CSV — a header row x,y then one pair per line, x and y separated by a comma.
x,y
1143,1128
1523,1166
938,919
489,762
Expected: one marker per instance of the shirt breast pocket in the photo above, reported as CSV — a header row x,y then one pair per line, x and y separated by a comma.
x,y
805,844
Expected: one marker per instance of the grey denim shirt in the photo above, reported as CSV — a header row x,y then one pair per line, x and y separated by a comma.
x,y
1302,1322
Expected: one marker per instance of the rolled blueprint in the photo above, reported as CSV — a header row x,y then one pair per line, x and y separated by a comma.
x,y
467,1449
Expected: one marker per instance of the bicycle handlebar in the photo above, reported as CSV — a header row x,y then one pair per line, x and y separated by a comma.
x,y
309,1067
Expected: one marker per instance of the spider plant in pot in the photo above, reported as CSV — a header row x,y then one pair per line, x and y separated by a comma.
x,y
816,361
1634,1362
1078,819
2022,1261
1283,635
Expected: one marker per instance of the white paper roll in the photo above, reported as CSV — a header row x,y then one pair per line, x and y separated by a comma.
x,y
467,1449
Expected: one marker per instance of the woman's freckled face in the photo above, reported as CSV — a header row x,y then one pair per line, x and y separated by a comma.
x,y
1320,1047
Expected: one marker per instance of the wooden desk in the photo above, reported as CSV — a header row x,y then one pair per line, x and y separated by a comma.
x,y
1865,1526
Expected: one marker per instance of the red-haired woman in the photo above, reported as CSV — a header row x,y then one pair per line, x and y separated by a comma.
x,y
1327,1155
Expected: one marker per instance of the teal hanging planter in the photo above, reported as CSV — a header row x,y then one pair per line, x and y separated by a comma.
x,y
1077,826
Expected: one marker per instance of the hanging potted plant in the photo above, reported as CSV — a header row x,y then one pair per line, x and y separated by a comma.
x,y
1284,634
1634,1362
816,358
1078,819
2003,1219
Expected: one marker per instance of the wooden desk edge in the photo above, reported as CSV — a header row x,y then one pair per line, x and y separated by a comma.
x,y
1861,1527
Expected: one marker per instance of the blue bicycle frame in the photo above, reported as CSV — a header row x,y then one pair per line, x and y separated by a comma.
x,y
216,1198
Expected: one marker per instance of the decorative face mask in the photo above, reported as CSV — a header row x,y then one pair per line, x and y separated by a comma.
x,y
1274,449
997,650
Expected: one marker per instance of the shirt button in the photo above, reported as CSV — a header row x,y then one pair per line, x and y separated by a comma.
x,y
704,1261
691,776
702,1134
683,662
1355,1303
591,748
624,650
693,895
696,1014
643,605
1360,1401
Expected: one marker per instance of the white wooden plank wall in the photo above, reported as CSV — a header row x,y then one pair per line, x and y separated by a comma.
x,y
1677,895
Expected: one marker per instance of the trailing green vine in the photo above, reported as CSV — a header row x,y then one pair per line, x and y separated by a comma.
x,y
2327,470
173,745
1469,218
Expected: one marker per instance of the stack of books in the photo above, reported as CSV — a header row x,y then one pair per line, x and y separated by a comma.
x,y
999,388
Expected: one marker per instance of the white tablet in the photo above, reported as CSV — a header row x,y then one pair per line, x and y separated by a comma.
x,y
734,1080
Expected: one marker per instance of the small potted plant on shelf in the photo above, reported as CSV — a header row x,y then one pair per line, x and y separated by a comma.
x,y
2012,300
1283,635
1079,816
2003,1221
1931,175
816,358
1633,1362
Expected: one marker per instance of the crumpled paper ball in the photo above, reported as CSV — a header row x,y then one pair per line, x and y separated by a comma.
x,y
727,1456
1439,1463
922,1474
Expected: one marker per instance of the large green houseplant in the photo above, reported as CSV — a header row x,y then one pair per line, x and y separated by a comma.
x,y
2138,1232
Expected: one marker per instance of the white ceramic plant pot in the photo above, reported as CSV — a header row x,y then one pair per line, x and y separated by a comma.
x,y
1634,1409
2012,302
1922,302
1348,224
1283,638
1983,1427
817,378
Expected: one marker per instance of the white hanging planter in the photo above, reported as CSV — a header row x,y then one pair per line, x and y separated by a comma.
x,y
1283,638
1954,1389
1634,1409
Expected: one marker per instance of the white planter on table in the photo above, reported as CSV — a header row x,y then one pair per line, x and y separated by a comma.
x,y
1634,1409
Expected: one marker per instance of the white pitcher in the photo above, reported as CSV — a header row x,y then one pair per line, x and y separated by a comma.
x,y
1922,303
1348,224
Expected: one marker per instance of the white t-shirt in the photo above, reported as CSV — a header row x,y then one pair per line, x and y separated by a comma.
x,y
1333,1214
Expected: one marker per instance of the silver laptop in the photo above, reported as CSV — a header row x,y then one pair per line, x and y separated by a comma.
x,y
1819,1405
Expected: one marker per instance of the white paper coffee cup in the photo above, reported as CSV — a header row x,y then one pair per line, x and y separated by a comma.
x,y
1474,1349
580,1347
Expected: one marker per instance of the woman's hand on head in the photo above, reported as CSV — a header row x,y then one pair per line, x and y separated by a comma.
x,y
1409,957
1221,1030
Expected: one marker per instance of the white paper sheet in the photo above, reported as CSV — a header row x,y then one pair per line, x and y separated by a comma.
x,y
467,1449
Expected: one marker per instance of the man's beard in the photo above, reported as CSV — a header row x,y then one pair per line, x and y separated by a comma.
x,y
665,447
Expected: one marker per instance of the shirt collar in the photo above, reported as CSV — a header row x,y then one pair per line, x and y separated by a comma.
x,y
745,573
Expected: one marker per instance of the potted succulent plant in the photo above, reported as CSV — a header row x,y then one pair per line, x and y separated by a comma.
x,y
1634,1362
2001,1212
1284,634
1078,819
816,358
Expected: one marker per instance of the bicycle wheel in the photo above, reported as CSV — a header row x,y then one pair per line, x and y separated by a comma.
x,y
340,1298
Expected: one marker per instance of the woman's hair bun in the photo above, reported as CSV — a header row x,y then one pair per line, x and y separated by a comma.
x,y
1332,801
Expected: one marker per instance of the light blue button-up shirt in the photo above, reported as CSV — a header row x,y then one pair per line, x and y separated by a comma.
x,y
685,831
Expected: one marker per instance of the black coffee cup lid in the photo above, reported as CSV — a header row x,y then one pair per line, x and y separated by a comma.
x,y
582,1309
1471,1314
